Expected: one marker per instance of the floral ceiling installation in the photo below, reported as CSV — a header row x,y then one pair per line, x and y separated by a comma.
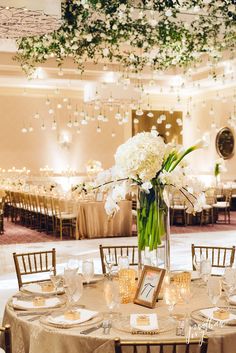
x,y
160,34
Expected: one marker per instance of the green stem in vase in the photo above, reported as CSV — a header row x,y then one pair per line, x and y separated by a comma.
x,y
151,218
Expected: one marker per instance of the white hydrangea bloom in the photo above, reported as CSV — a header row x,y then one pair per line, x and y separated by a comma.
x,y
141,156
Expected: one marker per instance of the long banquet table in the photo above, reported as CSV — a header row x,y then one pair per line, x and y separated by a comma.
x,y
93,222
36,337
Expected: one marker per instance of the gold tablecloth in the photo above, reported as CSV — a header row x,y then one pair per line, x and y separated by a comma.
x,y
93,222
34,337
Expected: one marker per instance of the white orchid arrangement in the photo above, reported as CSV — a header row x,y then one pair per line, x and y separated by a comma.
x,y
145,160
160,34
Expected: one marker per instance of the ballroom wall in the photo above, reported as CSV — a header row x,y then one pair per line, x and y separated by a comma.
x,y
39,148
199,125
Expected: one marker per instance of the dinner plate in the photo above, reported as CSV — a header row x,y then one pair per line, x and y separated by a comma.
x,y
55,319
29,303
37,288
123,324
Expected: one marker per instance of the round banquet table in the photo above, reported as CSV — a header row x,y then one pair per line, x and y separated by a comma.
x,y
36,337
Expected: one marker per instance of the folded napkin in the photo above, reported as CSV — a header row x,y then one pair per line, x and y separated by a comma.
x,y
208,313
151,327
26,304
85,315
37,289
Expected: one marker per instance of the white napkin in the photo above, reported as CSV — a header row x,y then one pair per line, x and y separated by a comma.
x,y
37,289
152,326
85,315
208,313
49,303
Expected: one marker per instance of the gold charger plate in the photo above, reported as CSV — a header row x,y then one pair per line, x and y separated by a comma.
x,y
123,324
95,320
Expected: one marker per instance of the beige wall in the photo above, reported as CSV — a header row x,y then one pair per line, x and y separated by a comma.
x,y
40,148
202,162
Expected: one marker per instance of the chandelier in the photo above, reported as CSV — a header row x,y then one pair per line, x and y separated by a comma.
x,y
25,18
135,34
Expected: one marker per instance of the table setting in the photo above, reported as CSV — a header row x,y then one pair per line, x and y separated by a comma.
x,y
90,310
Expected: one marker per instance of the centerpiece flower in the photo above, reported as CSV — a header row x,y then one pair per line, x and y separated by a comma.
x,y
155,167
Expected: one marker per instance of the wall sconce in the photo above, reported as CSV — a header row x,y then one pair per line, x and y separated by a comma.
x,y
65,139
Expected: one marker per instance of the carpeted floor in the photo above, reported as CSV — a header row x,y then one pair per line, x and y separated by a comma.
x,y
17,234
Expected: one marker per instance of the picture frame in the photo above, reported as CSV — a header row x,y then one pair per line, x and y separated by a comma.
x,y
149,286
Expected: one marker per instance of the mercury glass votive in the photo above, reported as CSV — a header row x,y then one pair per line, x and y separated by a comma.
x,y
127,285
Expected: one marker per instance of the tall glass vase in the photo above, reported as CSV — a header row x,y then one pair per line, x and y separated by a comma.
x,y
153,228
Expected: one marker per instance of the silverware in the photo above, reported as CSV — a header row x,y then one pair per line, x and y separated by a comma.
x,y
91,329
106,325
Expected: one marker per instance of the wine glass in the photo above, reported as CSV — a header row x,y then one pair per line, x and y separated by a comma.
x,y
214,289
77,293
171,296
56,280
110,261
229,282
123,262
205,269
186,294
73,264
88,270
196,263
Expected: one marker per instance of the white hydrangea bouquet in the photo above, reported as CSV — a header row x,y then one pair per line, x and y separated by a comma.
x,y
147,162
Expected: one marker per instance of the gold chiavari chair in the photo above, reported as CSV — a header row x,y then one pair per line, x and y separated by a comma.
x,y
125,250
48,209
207,214
220,257
224,206
157,347
31,264
6,331
178,208
2,204
64,219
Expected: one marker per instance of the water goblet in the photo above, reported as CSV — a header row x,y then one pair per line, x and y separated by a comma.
x,y
88,270
123,262
171,297
78,284
73,264
110,261
214,289
56,280
205,269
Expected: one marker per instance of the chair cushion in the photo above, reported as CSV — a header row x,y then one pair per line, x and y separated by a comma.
x,y
207,207
221,204
178,207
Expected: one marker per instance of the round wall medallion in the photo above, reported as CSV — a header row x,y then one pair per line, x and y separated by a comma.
x,y
225,143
